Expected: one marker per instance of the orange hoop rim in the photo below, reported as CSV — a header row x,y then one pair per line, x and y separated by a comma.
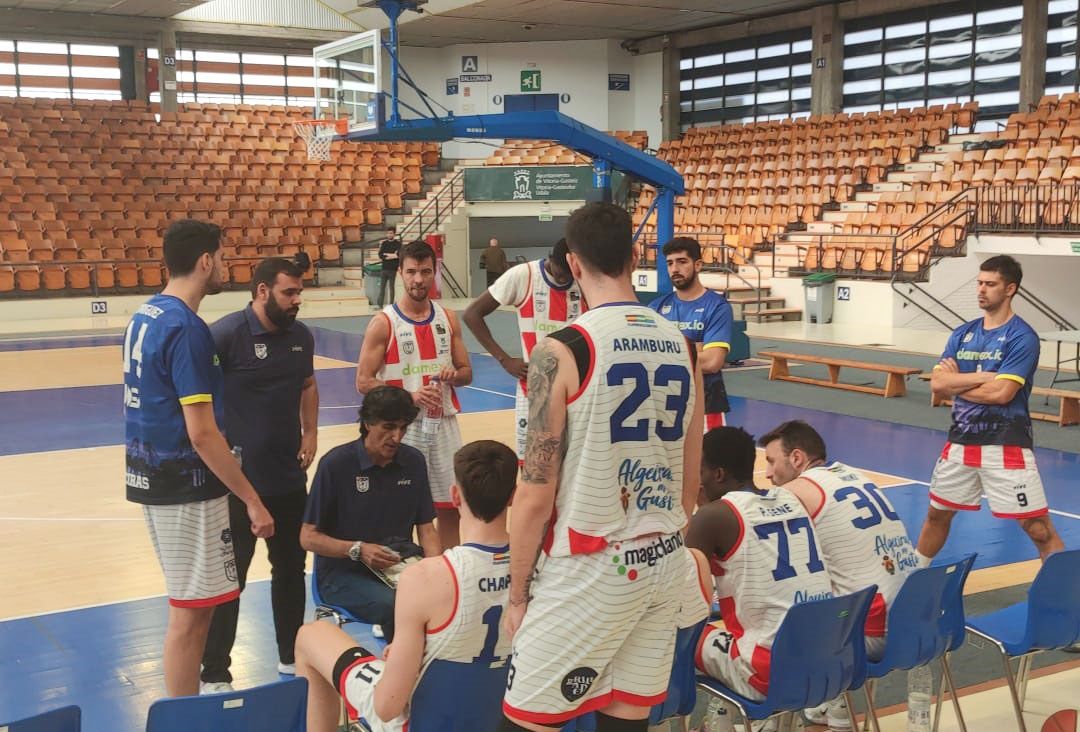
x,y
341,126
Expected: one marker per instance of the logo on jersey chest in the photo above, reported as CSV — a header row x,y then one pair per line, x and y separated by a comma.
x,y
408,348
261,351
362,484
665,310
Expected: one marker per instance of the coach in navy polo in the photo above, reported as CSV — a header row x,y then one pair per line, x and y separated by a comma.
x,y
271,419
367,497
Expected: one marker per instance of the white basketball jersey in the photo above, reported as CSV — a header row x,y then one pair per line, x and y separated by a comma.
x,y
417,351
776,563
863,539
474,633
622,476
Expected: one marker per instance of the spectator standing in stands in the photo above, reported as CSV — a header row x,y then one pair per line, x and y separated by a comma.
x,y
368,494
445,610
178,464
546,299
271,418
417,344
704,317
493,261
389,248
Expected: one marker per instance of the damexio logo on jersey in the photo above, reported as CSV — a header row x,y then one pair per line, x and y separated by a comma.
x,y
422,369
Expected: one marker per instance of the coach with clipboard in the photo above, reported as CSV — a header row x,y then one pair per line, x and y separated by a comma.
x,y
367,498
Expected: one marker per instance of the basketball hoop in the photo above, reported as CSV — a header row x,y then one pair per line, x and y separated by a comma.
x,y
318,134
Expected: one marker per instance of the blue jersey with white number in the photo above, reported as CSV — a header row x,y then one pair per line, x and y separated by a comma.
x,y
1012,352
705,320
169,361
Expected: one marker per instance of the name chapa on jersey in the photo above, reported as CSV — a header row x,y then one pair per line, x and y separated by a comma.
x,y
646,345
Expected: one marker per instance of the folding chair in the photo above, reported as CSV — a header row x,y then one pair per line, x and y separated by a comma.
x,y
277,707
682,690
324,609
1049,619
926,621
65,719
459,697
819,653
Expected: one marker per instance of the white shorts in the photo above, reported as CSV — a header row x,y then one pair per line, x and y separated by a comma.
x,y
600,628
714,658
194,545
521,420
357,674
439,454
1007,476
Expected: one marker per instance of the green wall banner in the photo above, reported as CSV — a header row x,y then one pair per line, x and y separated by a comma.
x,y
532,183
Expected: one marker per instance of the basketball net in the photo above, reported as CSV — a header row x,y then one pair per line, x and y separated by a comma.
x,y
318,134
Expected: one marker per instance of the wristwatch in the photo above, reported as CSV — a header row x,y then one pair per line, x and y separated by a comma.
x,y
354,551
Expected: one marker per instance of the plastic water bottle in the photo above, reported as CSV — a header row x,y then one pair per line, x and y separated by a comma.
x,y
717,717
432,419
920,687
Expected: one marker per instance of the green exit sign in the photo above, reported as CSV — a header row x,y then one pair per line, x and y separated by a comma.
x,y
530,80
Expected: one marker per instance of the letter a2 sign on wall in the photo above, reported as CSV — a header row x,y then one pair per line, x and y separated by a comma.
x,y
530,80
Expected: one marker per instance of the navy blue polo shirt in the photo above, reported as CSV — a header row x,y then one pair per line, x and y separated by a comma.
x,y
354,499
265,373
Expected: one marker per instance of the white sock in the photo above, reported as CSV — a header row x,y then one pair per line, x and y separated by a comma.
x,y
924,561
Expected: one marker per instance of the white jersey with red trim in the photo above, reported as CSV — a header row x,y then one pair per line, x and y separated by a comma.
x,y
542,306
622,475
481,591
417,351
776,563
862,537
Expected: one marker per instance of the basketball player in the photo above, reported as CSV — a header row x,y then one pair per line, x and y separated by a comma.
x,y
178,464
609,476
862,538
704,316
987,369
546,298
447,609
765,557
416,344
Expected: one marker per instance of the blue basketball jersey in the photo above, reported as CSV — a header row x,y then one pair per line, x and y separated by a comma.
x,y
1012,352
705,320
169,361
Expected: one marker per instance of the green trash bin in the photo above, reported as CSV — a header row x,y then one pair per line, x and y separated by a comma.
x,y
820,293
372,273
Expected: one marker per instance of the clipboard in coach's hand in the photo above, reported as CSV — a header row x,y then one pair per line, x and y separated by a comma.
x,y
390,576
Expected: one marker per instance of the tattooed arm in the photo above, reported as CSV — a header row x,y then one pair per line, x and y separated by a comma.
x,y
552,378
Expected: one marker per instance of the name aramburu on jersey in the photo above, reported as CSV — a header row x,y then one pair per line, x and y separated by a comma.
x,y
649,345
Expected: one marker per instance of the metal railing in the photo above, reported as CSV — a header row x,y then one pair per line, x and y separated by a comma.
x,y
720,258
1037,209
448,195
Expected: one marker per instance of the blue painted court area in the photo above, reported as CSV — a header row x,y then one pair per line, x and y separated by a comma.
x,y
107,658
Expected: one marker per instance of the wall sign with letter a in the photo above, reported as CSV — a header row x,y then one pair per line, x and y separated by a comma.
x,y
470,64
99,307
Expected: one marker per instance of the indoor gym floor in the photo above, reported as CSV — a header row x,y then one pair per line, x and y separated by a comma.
x,y
82,617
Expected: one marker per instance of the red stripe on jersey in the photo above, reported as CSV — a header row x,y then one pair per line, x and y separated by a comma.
x,y
760,662
945,451
549,537
699,664
1013,457
712,421
557,305
592,363
529,339
821,490
457,594
206,601
742,531
393,353
425,342
585,544
454,399
527,310
352,711
973,456
399,383
955,506
875,619
731,621
1029,514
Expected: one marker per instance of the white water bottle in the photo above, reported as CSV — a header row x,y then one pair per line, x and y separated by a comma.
x,y
717,717
432,419
920,688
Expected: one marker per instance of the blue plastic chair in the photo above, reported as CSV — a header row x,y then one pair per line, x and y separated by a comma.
x,y
1047,620
926,621
324,609
458,697
819,653
682,687
65,719
276,707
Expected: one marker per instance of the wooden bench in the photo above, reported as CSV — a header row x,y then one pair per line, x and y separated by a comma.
x,y
895,386
1068,410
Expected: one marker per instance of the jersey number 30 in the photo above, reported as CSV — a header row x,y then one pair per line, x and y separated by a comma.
x,y
638,430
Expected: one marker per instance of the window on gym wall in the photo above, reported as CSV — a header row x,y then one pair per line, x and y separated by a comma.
x,y
214,77
59,70
1062,69
748,80
942,54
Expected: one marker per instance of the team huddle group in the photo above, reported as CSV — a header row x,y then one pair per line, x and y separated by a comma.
x,y
635,507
